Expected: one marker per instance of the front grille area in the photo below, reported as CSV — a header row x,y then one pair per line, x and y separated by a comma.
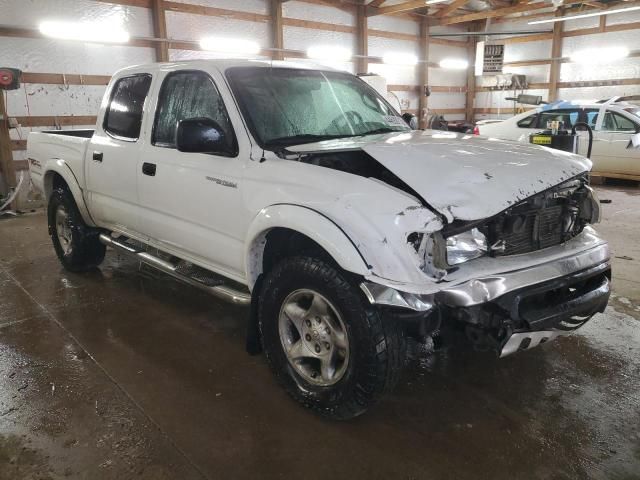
x,y
542,221
533,230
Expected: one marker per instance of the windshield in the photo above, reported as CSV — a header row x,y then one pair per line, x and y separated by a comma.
x,y
285,106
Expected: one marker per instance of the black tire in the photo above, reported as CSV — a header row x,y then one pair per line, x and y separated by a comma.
x,y
377,346
86,251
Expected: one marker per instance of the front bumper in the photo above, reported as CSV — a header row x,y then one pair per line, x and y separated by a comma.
x,y
520,309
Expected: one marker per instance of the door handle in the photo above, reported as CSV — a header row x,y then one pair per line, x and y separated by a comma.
x,y
149,169
97,157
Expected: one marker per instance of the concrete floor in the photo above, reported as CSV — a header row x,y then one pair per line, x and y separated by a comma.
x,y
124,373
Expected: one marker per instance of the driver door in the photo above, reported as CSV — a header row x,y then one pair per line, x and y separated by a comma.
x,y
192,202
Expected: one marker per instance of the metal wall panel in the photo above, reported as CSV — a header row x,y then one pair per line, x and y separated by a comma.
x,y
627,38
55,99
61,56
379,46
451,78
186,26
627,68
534,73
497,99
515,52
396,74
598,93
627,17
29,13
254,6
318,13
298,38
394,24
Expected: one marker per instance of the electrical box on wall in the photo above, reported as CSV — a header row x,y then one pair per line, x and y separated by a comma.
x,y
493,59
10,78
489,59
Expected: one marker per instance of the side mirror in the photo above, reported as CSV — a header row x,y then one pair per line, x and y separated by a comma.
x,y
634,142
410,120
202,135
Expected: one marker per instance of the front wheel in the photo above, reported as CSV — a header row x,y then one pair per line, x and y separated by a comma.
x,y
331,350
76,244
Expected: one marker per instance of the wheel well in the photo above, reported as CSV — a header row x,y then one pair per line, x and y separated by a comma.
x,y
52,181
284,242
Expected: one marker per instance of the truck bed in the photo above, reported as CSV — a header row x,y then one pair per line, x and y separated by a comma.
x,y
88,133
59,146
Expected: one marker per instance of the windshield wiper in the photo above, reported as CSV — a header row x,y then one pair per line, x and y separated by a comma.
x,y
380,130
302,138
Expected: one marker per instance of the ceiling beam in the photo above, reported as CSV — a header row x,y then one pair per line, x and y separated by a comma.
x,y
452,7
493,13
398,8
375,3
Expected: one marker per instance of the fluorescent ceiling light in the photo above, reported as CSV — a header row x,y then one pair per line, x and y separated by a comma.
x,y
400,58
431,2
599,55
584,15
231,46
454,63
103,32
329,52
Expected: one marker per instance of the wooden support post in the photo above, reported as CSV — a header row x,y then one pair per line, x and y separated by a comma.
x,y
556,53
423,73
362,31
470,96
160,30
6,155
277,33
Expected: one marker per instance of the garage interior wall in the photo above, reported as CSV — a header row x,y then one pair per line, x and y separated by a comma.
x,y
64,81
531,55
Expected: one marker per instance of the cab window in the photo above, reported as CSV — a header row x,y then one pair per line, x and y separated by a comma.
x,y
123,117
185,95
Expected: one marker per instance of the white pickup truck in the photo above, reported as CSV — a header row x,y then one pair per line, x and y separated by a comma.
x,y
302,192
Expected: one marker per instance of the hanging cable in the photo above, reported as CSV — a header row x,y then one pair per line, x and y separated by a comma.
x,y
15,192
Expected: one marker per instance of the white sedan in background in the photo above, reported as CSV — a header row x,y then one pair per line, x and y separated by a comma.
x,y
613,121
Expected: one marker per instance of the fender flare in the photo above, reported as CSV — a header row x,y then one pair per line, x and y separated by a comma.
x,y
59,166
306,221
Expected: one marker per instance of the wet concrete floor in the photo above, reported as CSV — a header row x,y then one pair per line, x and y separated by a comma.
x,y
124,373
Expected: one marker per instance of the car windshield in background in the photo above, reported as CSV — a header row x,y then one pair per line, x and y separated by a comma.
x,y
285,106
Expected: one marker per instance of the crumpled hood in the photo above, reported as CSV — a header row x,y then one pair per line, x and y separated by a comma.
x,y
463,176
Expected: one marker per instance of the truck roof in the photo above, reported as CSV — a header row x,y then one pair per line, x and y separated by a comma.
x,y
221,64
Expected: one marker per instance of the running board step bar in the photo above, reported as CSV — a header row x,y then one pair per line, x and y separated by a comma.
x,y
191,276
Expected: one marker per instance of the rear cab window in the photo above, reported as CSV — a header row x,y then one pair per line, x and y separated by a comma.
x,y
123,118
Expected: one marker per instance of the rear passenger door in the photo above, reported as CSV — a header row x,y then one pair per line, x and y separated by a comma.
x,y
191,202
112,156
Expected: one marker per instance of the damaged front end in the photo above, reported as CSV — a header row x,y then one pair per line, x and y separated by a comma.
x,y
555,272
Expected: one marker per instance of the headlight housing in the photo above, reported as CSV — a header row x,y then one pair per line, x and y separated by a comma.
x,y
466,246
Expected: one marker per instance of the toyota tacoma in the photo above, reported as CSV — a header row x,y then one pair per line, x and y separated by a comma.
x,y
300,192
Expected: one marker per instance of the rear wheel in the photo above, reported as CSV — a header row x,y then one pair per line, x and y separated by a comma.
x,y
331,350
77,245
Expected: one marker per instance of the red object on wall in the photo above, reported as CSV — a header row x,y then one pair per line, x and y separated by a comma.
x,y
9,78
